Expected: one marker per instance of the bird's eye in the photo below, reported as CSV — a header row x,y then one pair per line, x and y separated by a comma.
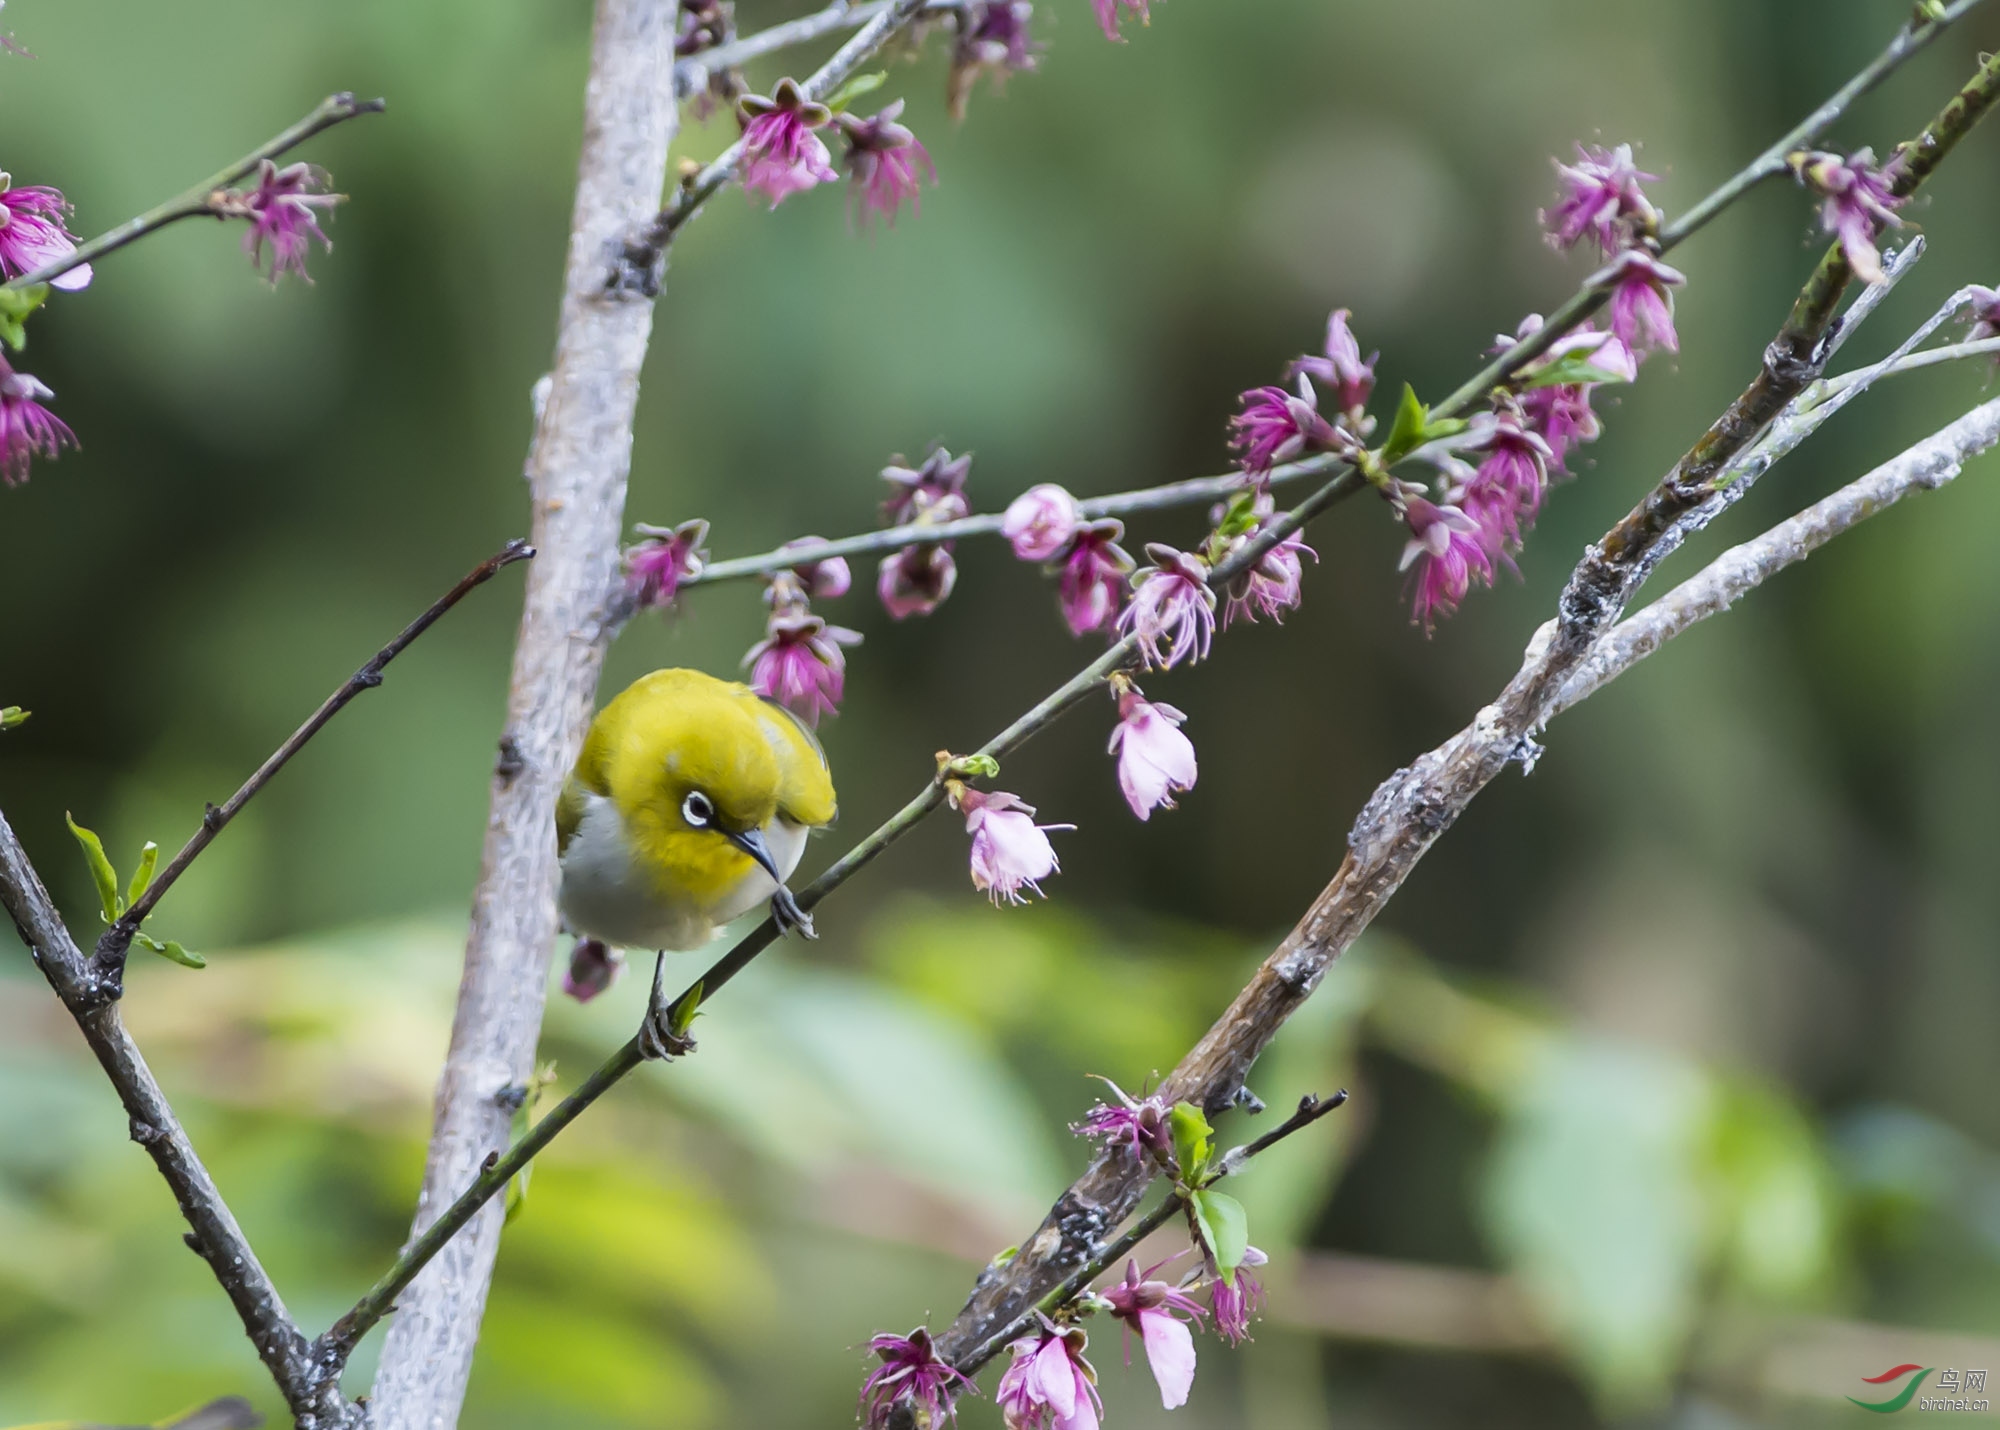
x,y
697,810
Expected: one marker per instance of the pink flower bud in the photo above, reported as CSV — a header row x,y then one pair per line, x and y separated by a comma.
x,y
1040,522
592,968
825,579
669,555
916,580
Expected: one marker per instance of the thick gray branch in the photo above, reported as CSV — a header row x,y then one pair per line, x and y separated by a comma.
x,y
577,466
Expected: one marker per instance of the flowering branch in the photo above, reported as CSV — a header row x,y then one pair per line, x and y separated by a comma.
x,y
643,251
212,1230
1414,807
107,963
1310,1110
1195,491
210,195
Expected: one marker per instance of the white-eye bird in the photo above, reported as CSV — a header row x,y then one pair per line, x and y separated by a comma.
x,y
688,807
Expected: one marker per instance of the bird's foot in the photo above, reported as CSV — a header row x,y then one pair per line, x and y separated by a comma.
x,y
787,914
660,1040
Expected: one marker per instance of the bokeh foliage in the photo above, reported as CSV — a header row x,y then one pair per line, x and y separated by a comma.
x,y
1726,959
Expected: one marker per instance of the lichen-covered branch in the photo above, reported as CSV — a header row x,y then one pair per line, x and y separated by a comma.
x,y
1415,806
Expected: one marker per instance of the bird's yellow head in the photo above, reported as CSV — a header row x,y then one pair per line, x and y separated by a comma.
x,y
700,768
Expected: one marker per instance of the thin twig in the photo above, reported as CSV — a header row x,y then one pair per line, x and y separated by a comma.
x,y
334,109
1193,492
691,75
212,1230
1310,1110
108,962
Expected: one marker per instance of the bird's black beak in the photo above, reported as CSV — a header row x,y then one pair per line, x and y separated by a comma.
x,y
751,842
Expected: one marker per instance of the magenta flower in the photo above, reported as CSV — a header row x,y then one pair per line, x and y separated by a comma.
x,y
34,233
592,968
1233,1305
934,491
799,663
781,154
911,1370
1277,426
1155,760
883,161
1107,15
1341,373
1155,1309
916,580
1858,204
283,212
1172,611
1273,585
655,567
1642,310
27,428
1010,852
993,39
1446,548
1040,522
1601,199
1560,413
1049,1385
1094,575
1504,495
1137,1124
826,578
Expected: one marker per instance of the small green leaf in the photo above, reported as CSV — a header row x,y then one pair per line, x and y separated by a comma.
x,y
1444,427
1241,517
12,715
15,306
1191,1133
142,877
1225,1228
170,951
1005,1257
1407,432
1570,370
517,1185
101,872
682,1017
974,767
861,84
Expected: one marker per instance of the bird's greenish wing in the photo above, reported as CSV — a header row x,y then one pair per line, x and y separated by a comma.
x,y
805,789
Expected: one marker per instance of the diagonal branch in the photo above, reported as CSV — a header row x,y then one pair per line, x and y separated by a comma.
x,y
107,964
212,1230
334,109
1414,807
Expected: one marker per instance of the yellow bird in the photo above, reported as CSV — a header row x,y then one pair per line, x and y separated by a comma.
x,y
688,807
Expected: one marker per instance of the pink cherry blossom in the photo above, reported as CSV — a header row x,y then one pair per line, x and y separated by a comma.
x,y
1601,199
1642,310
1858,202
284,213
911,1370
884,161
1155,760
781,154
1010,852
669,555
1094,576
916,580
27,428
593,967
34,233
1155,1309
1448,553
1107,15
1049,1385
1341,374
1172,610
1234,1304
799,663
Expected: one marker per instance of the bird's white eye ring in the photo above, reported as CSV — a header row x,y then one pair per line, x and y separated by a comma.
x,y
697,810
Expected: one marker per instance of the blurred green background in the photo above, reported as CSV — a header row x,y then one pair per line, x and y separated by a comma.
x,y
1674,1065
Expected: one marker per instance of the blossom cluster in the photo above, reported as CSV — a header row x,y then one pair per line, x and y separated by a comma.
x,y
783,155
281,212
